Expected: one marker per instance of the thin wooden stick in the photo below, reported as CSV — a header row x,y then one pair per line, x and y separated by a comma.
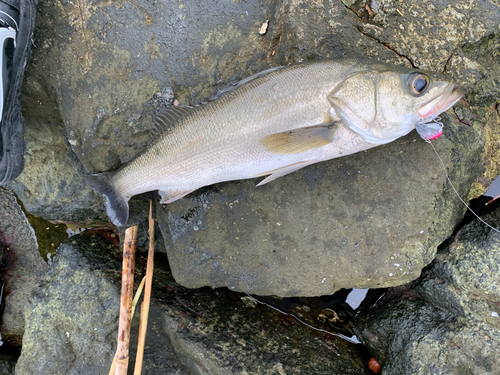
x,y
126,300
113,366
138,293
143,325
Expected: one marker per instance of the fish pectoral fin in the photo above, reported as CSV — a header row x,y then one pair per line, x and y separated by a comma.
x,y
171,196
300,140
282,171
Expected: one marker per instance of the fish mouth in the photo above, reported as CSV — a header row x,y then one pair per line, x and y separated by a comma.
x,y
432,108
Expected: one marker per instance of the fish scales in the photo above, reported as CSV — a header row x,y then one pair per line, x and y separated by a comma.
x,y
206,144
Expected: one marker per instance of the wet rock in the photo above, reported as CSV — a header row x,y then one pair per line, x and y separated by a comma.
x,y
219,332
409,28
22,266
302,30
459,38
447,320
75,315
72,321
7,366
52,184
101,69
104,68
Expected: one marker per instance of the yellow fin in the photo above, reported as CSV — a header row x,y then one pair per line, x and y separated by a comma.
x,y
299,140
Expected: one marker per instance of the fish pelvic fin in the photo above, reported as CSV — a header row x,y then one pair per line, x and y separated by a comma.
x,y
116,205
274,174
300,140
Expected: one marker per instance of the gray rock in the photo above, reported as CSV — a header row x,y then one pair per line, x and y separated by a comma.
x,y
72,324
72,321
7,366
446,322
160,356
438,28
216,332
104,68
52,184
101,70
23,267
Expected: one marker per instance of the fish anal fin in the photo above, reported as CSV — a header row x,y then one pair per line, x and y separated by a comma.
x,y
274,174
166,118
300,140
171,196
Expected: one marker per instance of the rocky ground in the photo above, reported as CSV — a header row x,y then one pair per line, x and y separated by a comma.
x,y
99,72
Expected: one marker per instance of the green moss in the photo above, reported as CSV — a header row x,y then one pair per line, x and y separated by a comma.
x,y
476,190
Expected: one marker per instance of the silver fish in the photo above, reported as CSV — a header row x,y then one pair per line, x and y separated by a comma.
x,y
275,123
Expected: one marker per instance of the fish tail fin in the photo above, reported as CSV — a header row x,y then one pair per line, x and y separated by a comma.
x,y
116,204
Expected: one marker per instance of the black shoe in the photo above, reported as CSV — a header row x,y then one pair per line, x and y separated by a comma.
x,y
17,22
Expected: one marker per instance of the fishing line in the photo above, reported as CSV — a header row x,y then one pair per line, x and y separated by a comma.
x,y
455,190
352,339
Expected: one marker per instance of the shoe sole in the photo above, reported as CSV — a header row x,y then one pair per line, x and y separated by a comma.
x,y
12,125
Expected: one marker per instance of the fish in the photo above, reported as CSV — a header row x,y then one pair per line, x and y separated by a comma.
x,y
276,122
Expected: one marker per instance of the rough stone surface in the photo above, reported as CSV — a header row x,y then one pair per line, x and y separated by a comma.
x,y
413,27
7,366
460,38
215,332
22,266
72,324
446,322
72,321
52,184
369,220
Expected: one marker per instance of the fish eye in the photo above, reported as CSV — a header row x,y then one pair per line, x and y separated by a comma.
x,y
417,83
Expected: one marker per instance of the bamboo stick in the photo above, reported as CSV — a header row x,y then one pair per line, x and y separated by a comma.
x,y
126,301
143,325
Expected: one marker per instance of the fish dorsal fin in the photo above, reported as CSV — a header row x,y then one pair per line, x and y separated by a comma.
x,y
300,140
235,85
166,118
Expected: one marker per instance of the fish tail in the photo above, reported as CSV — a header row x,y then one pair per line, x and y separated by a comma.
x,y
116,204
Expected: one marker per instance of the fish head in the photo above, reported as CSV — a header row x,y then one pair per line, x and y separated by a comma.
x,y
383,103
